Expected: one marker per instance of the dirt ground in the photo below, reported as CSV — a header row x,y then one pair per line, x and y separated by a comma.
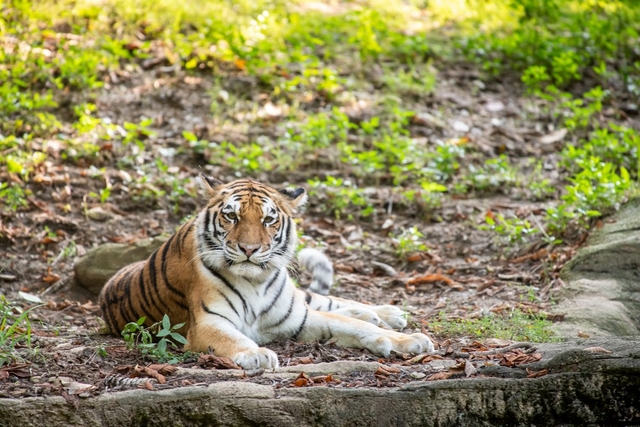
x,y
465,273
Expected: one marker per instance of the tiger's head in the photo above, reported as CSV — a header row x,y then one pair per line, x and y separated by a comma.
x,y
247,227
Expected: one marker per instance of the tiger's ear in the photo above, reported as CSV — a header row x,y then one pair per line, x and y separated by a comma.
x,y
210,185
297,198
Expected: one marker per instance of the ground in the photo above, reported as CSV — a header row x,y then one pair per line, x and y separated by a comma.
x,y
459,259
477,280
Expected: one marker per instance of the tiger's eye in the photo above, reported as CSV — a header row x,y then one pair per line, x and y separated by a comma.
x,y
231,216
269,220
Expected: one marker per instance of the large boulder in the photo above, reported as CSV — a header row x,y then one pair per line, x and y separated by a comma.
x,y
93,270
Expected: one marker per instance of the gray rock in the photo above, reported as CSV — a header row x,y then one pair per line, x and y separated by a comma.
x,y
93,270
602,296
581,388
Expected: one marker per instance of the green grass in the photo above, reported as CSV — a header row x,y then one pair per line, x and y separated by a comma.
x,y
15,331
515,326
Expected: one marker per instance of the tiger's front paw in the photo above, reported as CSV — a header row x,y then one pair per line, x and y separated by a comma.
x,y
392,317
256,358
389,341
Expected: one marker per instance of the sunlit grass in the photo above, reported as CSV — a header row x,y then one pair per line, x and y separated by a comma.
x,y
515,326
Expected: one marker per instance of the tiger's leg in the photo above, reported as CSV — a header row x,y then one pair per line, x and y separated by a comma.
x,y
216,327
355,333
388,316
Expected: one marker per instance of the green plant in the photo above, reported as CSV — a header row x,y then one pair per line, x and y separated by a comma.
x,y
137,133
515,230
409,241
341,197
418,79
104,195
15,330
155,341
493,175
12,196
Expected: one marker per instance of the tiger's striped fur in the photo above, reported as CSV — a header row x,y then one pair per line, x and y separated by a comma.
x,y
224,274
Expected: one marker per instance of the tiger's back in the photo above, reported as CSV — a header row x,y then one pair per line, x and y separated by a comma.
x,y
154,287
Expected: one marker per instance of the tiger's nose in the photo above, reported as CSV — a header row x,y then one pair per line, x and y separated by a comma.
x,y
248,249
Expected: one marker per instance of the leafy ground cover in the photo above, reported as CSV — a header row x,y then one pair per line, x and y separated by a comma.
x,y
465,146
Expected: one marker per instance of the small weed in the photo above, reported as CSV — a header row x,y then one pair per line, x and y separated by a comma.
x,y
13,196
515,230
104,195
496,174
409,241
15,330
138,133
342,197
144,339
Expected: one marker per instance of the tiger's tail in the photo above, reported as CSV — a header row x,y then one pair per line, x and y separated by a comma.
x,y
320,268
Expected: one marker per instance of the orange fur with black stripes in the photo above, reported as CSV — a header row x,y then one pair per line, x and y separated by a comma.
x,y
225,275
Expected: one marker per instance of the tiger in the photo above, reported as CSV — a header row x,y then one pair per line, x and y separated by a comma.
x,y
225,275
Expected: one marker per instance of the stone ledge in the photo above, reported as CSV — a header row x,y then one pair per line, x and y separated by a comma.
x,y
584,386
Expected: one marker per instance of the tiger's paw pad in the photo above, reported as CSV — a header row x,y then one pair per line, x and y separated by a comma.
x,y
392,317
256,358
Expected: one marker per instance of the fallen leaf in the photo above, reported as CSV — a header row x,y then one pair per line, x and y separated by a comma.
x,y
20,371
536,374
554,137
302,380
304,360
431,278
385,371
51,277
469,369
139,370
77,388
531,257
415,257
240,63
164,369
417,359
583,335
518,357
30,297
209,361
321,379
439,376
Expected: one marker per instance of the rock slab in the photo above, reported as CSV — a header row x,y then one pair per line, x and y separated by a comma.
x,y
602,296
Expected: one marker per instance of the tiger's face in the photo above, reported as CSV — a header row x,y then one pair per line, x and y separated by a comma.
x,y
247,227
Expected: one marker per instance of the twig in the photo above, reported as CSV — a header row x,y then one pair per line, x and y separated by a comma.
x,y
58,285
61,254
386,268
